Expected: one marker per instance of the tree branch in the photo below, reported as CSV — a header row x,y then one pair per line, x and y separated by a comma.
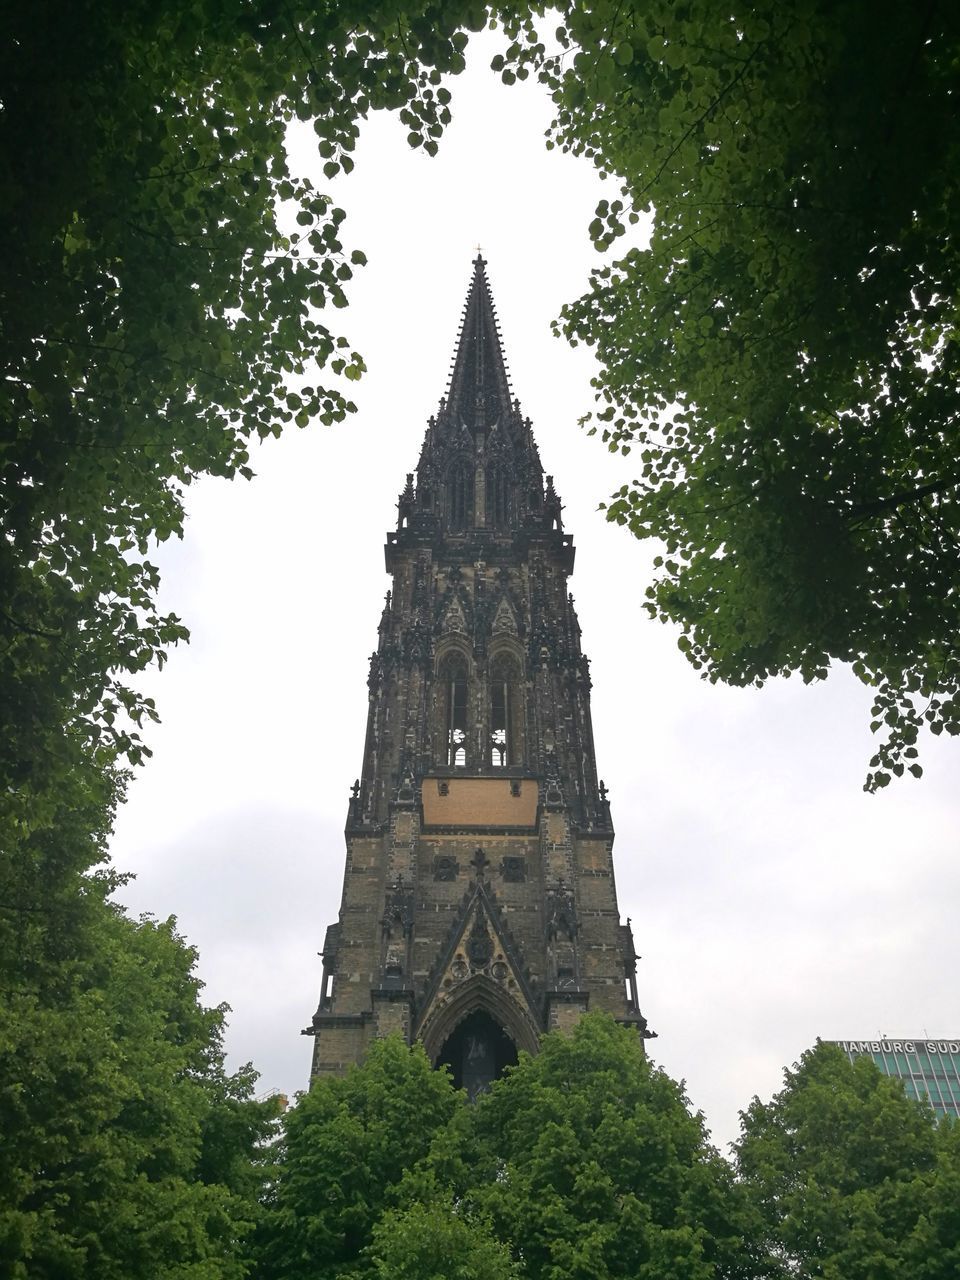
x,y
881,505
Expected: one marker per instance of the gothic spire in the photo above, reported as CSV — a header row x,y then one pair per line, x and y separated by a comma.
x,y
479,391
479,472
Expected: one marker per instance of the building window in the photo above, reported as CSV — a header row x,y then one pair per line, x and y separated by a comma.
x,y
460,496
499,721
504,714
497,497
455,718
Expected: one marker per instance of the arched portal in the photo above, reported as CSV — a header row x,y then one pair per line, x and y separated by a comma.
x,y
477,1053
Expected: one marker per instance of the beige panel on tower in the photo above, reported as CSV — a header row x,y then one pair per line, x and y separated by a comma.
x,y
480,802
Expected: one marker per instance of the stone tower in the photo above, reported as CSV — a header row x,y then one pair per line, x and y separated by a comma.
x,y
479,906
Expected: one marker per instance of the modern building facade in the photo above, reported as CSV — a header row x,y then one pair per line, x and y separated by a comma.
x,y
928,1069
479,905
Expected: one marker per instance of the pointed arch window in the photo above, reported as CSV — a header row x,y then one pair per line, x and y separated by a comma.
x,y
505,713
460,495
453,685
497,489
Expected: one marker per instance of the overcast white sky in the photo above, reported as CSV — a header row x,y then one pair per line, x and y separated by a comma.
x,y
771,899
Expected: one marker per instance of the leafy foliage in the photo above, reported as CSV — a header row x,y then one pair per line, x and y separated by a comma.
x,y
583,1162
436,1240
781,362
602,1171
164,287
127,1150
853,1178
345,1148
162,308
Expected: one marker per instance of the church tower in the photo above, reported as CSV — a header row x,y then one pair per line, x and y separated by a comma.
x,y
479,905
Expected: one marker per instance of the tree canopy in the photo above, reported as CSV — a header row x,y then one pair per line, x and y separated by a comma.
x,y
853,1178
127,1149
584,1161
165,283
438,1240
164,287
781,362
589,1161
345,1148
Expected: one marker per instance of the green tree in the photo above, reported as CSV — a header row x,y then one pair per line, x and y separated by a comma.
x,y
584,1163
127,1150
854,1180
781,363
587,1161
345,1147
437,1240
164,286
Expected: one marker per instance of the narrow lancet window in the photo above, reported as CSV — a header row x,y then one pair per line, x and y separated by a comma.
x,y
497,497
500,725
460,496
504,714
456,726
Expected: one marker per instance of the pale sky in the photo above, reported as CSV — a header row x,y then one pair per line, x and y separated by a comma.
x,y
771,899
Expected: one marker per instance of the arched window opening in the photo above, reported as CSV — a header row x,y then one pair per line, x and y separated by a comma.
x,y
460,496
497,497
499,725
455,717
504,714
477,1053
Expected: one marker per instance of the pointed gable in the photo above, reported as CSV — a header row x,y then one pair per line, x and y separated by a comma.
x,y
504,620
480,968
454,618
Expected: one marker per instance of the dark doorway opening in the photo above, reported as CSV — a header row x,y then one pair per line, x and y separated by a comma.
x,y
477,1053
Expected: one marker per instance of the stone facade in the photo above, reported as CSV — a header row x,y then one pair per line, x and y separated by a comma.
x,y
479,903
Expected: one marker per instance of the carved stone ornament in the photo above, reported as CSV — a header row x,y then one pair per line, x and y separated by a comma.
x,y
504,620
479,862
398,909
480,944
561,912
454,619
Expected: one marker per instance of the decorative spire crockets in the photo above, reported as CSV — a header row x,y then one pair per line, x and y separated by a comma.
x,y
479,474
479,391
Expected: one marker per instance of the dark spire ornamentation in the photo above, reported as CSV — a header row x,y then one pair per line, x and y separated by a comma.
x,y
479,393
479,474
